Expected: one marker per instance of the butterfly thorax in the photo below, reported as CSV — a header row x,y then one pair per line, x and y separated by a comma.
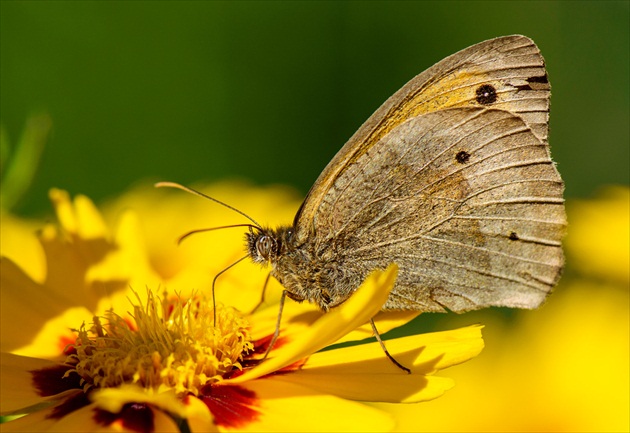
x,y
300,270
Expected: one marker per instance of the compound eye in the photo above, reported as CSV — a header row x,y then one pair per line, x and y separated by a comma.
x,y
264,246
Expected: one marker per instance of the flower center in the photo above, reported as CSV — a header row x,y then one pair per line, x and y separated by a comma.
x,y
174,345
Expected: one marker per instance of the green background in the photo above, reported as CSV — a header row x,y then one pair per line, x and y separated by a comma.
x,y
269,91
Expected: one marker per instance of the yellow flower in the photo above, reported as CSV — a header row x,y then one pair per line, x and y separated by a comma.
x,y
88,345
564,367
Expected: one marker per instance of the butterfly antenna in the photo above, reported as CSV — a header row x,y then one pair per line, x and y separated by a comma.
x,y
200,194
209,229
255,225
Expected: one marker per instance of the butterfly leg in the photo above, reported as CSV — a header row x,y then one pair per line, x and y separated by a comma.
x,y
391,358
276,333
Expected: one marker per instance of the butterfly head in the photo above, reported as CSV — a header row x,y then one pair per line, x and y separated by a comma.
x,y
266,245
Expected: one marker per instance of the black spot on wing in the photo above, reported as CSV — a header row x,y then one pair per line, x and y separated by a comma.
x,y
462,157
486,94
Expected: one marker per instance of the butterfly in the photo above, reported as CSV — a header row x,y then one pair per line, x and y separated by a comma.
x,y
451,179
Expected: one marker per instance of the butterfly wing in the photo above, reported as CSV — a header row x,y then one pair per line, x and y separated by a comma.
x,y
451,179
466,201
511,65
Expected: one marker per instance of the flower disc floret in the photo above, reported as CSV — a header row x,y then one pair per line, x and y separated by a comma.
x,y
173,345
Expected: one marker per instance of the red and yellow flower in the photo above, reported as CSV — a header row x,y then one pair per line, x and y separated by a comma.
x,y
117,331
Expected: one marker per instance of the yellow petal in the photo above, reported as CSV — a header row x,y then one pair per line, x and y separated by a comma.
x,y
85,263
384,320
83,420
377,387
358,309
426,353
17,390
198,416
51,340
80,420
128,262
68,261
81,218
296,318
367,374
113,399
38,421
26,306
289,407
19,243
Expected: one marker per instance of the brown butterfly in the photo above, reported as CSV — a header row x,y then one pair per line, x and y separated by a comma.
x,y
451,179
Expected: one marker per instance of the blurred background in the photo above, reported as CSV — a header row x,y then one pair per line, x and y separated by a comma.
x,y
129,92
269,91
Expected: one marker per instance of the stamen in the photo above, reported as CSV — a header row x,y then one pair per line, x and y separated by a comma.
x,y
172,345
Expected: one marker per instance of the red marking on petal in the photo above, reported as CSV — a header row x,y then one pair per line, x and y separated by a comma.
x,y
65,345
69,405
261,345
247,365
136,417
50,381
289,368
231,406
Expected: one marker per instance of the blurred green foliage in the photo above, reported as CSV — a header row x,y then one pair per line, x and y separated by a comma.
x,y
269,91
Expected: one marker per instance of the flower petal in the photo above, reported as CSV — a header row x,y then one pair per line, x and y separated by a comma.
x,y
82,218
377,387
89,419
88,273
17,390
19,242
22,319
80,420
198,417
37,421
367,374
85,263
296,318
384,320
285,406
113,399
69,256
358,309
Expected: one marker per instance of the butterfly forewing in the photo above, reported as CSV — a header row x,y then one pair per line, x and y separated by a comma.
x,y
506,73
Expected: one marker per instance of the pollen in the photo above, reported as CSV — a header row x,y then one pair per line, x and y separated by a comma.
x,y
169,345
